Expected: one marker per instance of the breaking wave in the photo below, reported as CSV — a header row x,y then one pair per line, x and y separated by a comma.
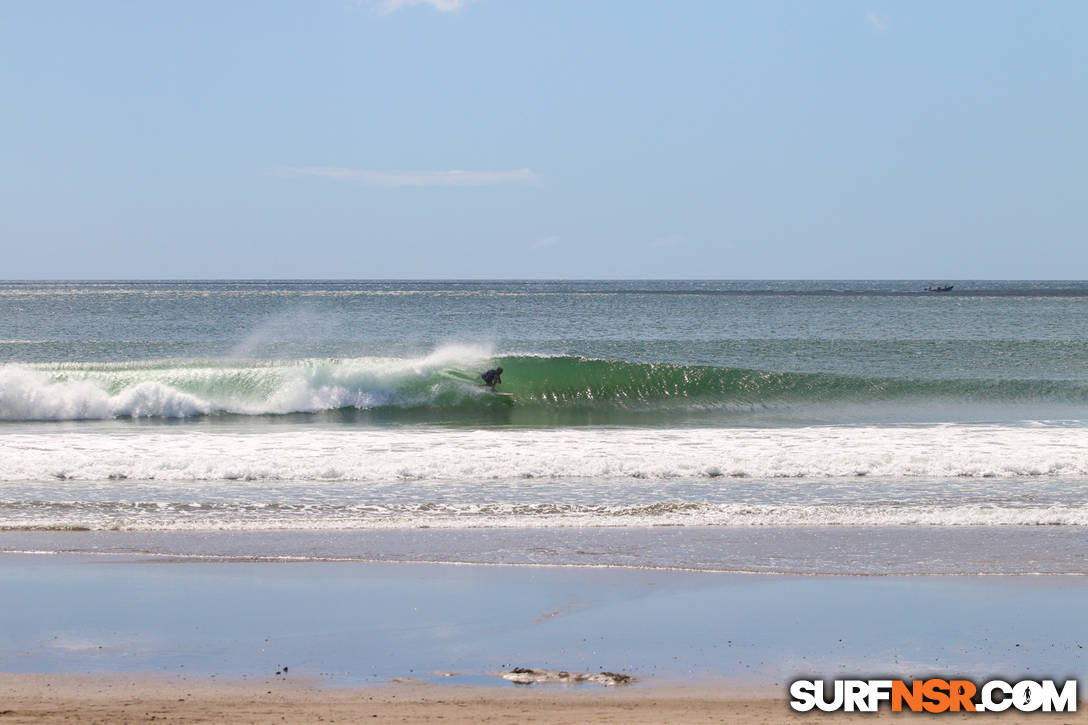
x,y
447,381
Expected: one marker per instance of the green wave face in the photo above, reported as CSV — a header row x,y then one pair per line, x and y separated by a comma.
x,y
564,381
574,381
445,389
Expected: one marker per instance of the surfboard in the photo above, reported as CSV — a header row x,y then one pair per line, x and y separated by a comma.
x,y
505,395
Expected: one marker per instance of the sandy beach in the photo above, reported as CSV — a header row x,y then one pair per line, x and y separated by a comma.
x,y
115,699
98,638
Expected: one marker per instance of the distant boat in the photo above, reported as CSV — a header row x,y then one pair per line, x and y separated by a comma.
x,y
931,288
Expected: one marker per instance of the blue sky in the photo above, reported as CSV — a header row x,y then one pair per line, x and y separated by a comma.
x,y
550,138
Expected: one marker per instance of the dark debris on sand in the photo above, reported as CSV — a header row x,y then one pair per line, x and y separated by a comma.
x,y
532,676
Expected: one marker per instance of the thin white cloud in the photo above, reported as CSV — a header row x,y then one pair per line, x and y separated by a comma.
x,y
673,240
443,6
875,22
545,242
412,178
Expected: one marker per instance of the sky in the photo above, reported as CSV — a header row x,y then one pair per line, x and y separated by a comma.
x,y
372,139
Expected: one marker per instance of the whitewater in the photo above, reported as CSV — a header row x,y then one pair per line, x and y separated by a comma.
x,y
609,455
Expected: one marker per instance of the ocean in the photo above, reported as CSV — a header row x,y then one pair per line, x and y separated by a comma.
x,y
846,427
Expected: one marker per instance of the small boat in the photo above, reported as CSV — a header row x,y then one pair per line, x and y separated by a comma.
x,y
946,288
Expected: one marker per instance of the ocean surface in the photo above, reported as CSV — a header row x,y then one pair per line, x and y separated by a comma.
x,y
852,427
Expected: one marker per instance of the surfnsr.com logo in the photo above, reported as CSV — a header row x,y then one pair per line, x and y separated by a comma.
x,y
933,695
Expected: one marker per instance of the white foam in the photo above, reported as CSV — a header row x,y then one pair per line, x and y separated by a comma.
x,y
383,455
83,391
170,517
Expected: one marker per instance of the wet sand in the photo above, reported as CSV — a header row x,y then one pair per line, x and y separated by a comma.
x,y
120,638
845,550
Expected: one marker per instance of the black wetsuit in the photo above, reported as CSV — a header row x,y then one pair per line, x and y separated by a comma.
x,y
491,377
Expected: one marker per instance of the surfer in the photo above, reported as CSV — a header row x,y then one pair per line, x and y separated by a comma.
x,y
492,377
